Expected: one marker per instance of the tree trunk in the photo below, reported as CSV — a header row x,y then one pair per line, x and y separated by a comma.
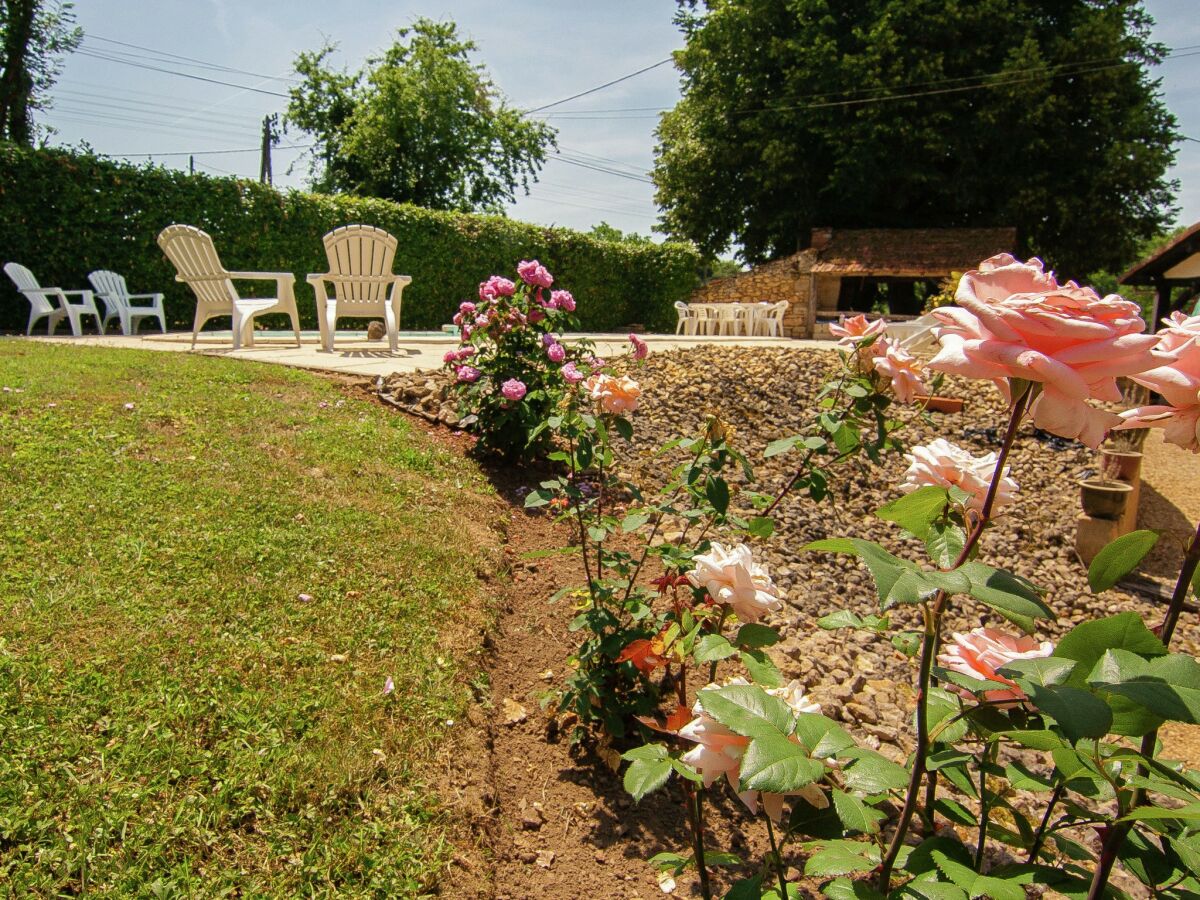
x,y
16,82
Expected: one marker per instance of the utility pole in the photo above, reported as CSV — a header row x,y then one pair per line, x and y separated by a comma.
x,y
270,136
191,165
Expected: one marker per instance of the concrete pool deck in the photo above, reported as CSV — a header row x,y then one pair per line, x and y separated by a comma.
x,y
353,354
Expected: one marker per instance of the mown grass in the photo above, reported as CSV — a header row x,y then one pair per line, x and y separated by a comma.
x,y
175,720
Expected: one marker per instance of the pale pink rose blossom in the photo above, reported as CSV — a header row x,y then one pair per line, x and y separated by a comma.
x,y
1177,330
467,374
1013,320
719,752
556,353
1178,380
614,394
855,330
533,272
732,577
902,369
513,389
944,464
563,300
980,652
571,374
640,348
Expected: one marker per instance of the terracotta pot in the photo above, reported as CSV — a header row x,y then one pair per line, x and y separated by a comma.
x,y
1104,499
941,404
1121,464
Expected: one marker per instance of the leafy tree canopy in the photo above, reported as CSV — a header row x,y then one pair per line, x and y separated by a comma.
x,y
606,232
34,37
903,113
421,124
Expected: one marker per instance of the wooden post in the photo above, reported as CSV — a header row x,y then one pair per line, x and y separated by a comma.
x,y
1162,301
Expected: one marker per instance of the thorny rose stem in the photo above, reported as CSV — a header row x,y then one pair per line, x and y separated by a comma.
x,y
1118,831
933,623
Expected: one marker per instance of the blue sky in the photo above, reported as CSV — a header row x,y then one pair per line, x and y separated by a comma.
x,y
537,51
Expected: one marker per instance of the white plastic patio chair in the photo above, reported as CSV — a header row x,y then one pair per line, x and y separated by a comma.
x,y
360,270
758,315
727,316
41,307
773,318
111,288
688,318
195,259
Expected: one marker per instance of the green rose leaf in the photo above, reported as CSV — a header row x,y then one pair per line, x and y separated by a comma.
x,y
776,764
916,512
1119,558
713,647
649,769
856,816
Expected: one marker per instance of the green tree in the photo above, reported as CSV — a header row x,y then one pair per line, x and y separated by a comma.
x,y
606,232
421,124
34,36
893,113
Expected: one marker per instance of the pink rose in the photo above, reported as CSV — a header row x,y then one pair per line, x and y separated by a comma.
x,y
855,330
556,352
944,464
1178,380
719,752
979,653
562,300
513,389
466,353
1015,321
901,368
535,316
533,272
614,395
466,307
467,374
571,374
450,356
640,348
733,578
1178,330
596,363
496,287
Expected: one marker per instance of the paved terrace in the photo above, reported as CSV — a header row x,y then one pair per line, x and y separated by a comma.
x,y
353,354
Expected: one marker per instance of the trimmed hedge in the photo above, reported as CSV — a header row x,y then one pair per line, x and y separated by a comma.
x,y
64,214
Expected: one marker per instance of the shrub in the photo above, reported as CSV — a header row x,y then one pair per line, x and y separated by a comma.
x,y
66,214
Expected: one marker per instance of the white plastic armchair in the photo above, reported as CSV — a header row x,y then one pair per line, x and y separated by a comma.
x,y
360,270
40,306
687,318
118,302
773,318
195,259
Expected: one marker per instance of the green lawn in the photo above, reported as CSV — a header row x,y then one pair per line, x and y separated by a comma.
x,y
176,720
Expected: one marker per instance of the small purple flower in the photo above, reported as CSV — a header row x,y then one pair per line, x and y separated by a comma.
x,y
467,374
513,389
533,272
562,300
548,339
571,374
556,352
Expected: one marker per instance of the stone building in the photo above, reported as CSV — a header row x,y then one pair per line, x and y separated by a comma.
x,y
846,270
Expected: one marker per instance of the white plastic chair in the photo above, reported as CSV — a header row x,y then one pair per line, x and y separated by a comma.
x,y
773,318
110,287
727,316
360,270
688,318
41,307
195,259
758,315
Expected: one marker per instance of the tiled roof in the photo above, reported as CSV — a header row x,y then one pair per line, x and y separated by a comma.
x,y
1154,266
907,251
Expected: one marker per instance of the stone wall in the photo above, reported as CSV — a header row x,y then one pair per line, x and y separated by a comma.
x,y
784,279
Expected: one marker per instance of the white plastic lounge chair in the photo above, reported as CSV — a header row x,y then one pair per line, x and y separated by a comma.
x,y
41,307
195,258
360,270
687,318
110,287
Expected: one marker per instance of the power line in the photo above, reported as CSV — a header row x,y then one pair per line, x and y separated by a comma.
x,y
125,62
584,165
600,87
208,152
190,59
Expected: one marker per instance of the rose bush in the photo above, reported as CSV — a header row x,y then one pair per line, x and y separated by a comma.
x,y
511,368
